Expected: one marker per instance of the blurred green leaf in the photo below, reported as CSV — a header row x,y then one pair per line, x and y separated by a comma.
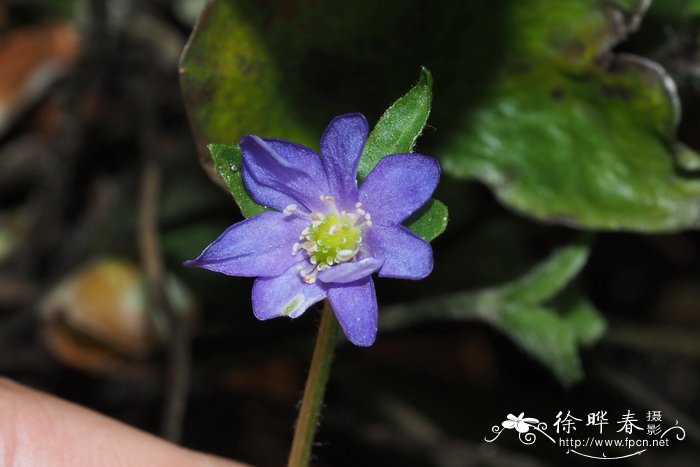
x,y
582,150
585,320
535,311
227,161
549,278
430,221
530,101
569,138
545,335
400,126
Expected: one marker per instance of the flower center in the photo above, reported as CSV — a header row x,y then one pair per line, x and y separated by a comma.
x,y
331,238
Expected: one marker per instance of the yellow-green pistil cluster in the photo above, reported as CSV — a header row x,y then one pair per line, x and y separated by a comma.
x,y
331,238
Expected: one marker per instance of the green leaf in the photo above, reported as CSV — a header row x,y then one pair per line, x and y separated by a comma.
x,y
535,311
550,277
546,336
227,161
569,138
583,318
430,221
396,132
400,126
531,102
554,338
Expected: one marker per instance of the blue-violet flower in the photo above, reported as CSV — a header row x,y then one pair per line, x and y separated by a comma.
x,y
326,236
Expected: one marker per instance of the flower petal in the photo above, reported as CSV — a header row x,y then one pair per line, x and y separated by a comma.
x,y
284,295
399,185
298,156
405,255
258,246
522,427
341,148
289,176
350,271
355,306
508,424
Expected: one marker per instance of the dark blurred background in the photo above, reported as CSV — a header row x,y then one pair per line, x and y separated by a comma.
x,y
93,129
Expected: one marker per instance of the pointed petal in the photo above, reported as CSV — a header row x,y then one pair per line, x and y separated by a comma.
x,y
512,417
284,295
405,255
355,306
296,155
273,180
258,246
350,271
398,186
531,421
341,148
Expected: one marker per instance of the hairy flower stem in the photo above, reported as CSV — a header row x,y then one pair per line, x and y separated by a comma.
x,y
315,388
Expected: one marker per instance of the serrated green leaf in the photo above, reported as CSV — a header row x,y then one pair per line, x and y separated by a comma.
x,y
400,126
430,221
227,161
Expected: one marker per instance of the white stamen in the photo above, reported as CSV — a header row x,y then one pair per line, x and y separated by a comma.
x,y
344,255
309,246
309,276
291,209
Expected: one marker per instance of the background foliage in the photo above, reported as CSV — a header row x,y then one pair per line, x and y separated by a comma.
x,y
567,277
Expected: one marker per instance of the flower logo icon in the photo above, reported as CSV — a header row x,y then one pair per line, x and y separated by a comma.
x,y
521,424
